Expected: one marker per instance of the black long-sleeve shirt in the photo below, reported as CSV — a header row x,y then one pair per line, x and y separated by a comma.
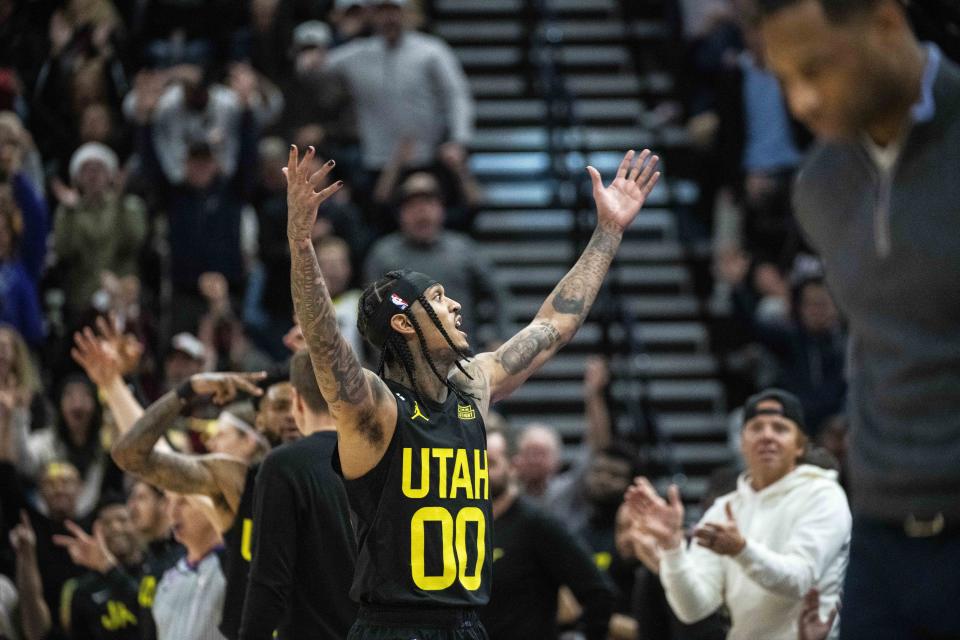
x,y
304,549
534,554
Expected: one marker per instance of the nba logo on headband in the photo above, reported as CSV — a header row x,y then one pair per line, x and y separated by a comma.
x,y
400,302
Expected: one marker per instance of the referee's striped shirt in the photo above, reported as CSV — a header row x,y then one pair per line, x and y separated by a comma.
x,y
189,600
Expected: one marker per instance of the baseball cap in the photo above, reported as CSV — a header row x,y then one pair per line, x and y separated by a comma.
x,y
189,345
790,407
312,33
420,183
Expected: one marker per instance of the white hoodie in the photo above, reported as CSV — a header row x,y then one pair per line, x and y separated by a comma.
x,y
798,536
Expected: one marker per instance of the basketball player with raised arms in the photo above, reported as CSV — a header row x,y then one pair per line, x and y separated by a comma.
x,y
412,446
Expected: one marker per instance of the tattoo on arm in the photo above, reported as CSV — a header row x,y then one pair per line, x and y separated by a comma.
x,y
134,452
575,293
339,373
519,352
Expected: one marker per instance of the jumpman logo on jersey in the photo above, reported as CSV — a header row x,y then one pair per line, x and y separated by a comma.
x,y
417,413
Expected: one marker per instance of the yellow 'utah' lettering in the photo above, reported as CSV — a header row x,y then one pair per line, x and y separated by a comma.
x,y
461,476
469,473
407,485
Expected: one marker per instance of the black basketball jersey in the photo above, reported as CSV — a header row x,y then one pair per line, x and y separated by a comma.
x,y
423,513
236,560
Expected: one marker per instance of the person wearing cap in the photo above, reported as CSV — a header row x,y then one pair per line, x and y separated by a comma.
x,y
411,440
96,229
762,548
422,244
350,20
407,85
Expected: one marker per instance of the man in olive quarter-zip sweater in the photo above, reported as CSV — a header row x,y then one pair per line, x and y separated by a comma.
x,y
879,199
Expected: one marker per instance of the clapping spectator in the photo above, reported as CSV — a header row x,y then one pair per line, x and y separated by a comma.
x,y
757,550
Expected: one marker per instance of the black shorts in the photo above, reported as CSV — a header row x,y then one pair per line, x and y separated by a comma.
x,y
417,624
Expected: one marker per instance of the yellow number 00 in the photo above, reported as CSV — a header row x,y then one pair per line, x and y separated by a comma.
x,y
450,563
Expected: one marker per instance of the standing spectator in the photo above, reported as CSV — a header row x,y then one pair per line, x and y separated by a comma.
x,y
350,20
59,486
190,595
77,436
877,199
407,86
204,199
23,239
423,244
96,229
759,549
102,603
34,613
19,377
317,94
535,555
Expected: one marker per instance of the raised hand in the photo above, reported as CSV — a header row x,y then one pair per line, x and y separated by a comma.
x,y
661,519
22,537
723,538
225,386
126,346
596,376
810,626
87,551
302,197
619,203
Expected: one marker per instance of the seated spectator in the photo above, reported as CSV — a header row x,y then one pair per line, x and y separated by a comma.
x,y
59,488
23,240
104,601
535,555
77,437
760,549
537,460
96,228
809,348
196,582
333,255
423,243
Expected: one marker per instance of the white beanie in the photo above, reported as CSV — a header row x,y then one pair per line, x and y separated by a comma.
x,y
92,151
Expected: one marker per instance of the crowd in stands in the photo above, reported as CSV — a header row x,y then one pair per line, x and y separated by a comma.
x,y
143,247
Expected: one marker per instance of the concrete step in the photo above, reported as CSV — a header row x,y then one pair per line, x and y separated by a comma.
x,y
639,307
484,31
497,57
497,86
562,251
661,277
658,222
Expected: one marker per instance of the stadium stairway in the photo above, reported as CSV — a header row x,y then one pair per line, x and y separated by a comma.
x,y
557,88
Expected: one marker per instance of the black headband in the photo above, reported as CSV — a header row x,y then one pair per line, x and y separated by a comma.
x,y
403,292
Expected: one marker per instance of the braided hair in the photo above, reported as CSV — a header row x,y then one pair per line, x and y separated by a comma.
x,y
395,349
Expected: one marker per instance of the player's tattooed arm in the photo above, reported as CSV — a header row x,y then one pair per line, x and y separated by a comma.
x,y
217,476
567,306
353,394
